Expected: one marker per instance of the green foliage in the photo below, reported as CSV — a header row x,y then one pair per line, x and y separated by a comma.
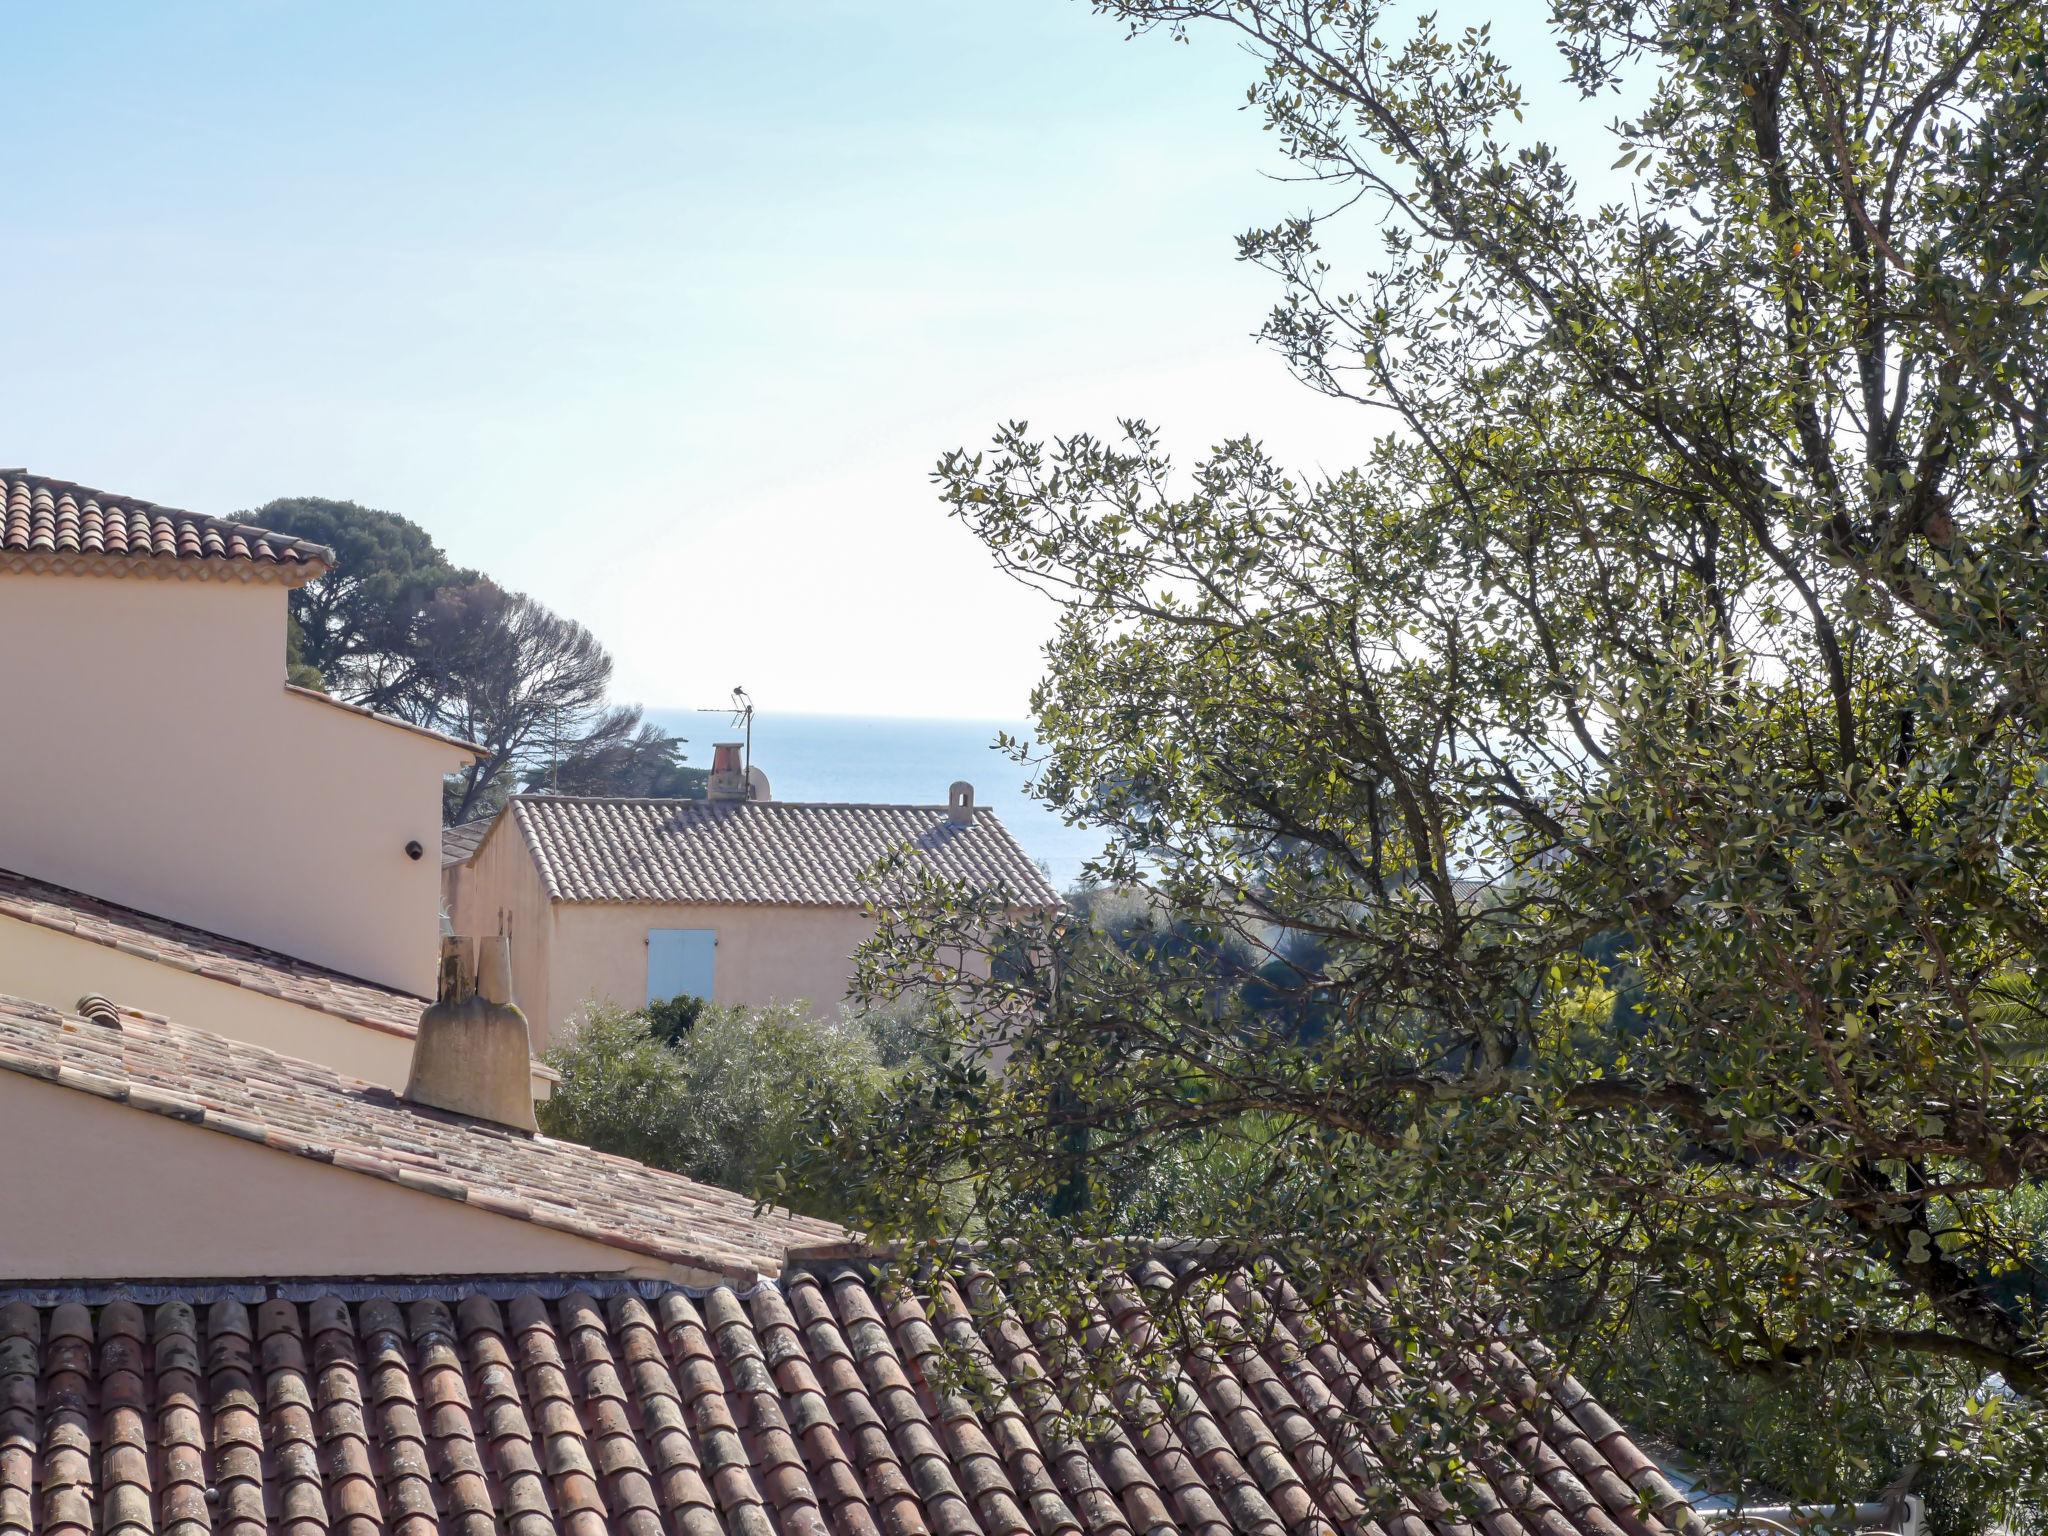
x,y
395,627
511,675
357,626
1696,598
738,1098
619,753
296,670
622,1091
1810,1435
674,1017
906,1029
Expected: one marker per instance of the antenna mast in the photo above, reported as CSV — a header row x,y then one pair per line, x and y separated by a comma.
x,y
742,711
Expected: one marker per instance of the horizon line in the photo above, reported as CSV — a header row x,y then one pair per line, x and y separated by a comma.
x,y
835,714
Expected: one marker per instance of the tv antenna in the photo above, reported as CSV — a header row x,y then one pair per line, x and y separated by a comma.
x,y
742,711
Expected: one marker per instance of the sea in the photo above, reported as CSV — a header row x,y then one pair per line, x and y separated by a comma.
x,y
890,760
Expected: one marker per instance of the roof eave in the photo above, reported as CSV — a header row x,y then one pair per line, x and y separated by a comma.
x,y
475,749
197,1113
38,562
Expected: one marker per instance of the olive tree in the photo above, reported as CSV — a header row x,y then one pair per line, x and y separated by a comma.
x,y
1639,759
731,1095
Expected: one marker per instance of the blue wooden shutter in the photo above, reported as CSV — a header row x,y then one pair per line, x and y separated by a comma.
x,y
680,962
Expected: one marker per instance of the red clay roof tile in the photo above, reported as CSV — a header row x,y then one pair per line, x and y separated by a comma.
x,y
54,525
475,1407
459,842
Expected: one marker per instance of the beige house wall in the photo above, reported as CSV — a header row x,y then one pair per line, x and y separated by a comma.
x,y
153,757
764,955
99,1191
568,955
59,968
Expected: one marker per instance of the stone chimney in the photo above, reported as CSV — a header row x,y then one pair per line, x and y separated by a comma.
x,y
473,1055
728,775
960,803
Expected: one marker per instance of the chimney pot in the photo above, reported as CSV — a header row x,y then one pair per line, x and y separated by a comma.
x,y
494,971
473,1054
960,803
728,773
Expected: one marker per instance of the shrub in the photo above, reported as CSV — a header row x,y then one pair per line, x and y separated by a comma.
x,y
739,1099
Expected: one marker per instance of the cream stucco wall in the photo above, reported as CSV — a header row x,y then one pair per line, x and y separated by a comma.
x,y
152,756
59,968
765,954
567,955
99,1191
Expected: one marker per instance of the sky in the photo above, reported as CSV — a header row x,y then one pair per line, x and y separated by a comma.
x,y
661,312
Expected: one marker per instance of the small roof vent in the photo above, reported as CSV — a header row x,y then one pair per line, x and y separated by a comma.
x,y
99,1010
960,803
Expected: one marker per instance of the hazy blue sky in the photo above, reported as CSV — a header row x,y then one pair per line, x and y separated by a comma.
x,y
661,312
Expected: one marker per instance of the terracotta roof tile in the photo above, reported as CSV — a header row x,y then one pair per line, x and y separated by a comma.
x,y
208,954
311,1111
477,1406
771,852
54,525
459,842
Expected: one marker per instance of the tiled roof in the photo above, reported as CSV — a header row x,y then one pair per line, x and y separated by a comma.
x,y
311,1111
53,525
775,852
459,842
816,1405
225,960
